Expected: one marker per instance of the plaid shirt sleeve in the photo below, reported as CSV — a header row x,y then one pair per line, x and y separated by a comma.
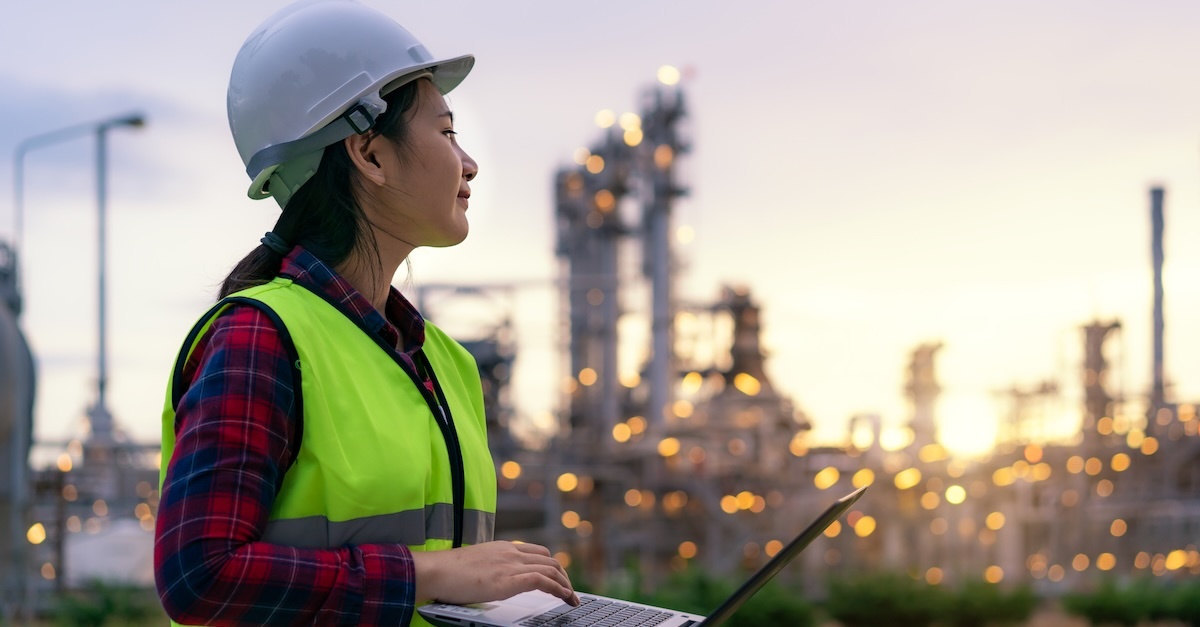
x,y
234,428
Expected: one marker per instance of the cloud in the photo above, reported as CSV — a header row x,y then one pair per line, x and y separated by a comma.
x,y
32,109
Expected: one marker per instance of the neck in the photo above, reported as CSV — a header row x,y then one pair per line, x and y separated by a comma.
x,y
372,276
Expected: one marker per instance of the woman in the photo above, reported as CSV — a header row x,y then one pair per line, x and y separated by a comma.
x,y
325,454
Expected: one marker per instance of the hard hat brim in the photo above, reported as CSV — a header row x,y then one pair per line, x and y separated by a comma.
x,y
446,74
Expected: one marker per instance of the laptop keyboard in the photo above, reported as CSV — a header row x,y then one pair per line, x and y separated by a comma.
x,y
597,613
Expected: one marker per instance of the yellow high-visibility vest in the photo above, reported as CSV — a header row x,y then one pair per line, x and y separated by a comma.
x,y
381,458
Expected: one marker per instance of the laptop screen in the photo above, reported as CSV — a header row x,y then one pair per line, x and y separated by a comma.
x,y
781,559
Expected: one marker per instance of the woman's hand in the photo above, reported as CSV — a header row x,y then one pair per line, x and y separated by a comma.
x,y
489,571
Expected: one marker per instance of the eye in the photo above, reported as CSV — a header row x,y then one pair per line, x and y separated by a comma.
x,y
451,133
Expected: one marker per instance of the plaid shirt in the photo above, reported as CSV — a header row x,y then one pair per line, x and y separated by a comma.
x,y
235,431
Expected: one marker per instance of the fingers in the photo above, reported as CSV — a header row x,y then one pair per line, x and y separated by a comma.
x,y
555,580
552,570
490,571
532,548
549,584
557,574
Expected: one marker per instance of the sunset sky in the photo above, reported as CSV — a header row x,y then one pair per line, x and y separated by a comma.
x,y
878,174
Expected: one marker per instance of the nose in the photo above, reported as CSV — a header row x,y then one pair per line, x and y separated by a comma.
x,y
470,168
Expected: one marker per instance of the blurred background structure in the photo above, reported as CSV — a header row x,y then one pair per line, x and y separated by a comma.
x,y
877,246
693,459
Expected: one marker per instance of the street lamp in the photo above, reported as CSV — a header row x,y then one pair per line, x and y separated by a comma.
x,y
99,414
100,128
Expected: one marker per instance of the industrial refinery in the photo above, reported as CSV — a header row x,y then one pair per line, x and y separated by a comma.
x,y
695,458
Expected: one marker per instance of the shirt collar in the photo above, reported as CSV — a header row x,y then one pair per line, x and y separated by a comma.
x,y
402,320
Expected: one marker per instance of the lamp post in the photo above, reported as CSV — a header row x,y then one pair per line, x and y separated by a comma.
x,y
100,129
99,413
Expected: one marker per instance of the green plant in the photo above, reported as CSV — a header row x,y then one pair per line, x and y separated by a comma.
x,y
884,599
978,603
1109,605
1184,604
1155,599
695,592
690,591
97,603
775,605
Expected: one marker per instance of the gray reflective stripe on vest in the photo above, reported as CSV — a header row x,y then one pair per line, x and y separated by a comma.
x,y
413,528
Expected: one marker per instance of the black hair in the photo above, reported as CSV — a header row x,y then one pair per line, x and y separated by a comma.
x,y
323,215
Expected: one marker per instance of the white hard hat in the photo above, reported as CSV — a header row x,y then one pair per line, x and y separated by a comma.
x,y
312,75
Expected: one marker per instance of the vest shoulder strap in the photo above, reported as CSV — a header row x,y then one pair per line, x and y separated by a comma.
x,y
177,387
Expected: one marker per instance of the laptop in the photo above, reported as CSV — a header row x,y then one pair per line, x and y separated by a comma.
x,y
539,609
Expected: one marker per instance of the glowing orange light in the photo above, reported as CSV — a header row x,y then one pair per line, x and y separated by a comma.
x,y
606,118
692,382
605,201
907,478
663,156
826,478
668,75
687,550
747,384
36,534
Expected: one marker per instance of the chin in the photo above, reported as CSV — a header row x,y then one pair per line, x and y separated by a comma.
x,y
454,238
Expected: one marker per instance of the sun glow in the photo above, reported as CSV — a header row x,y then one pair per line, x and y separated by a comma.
x,y
967,423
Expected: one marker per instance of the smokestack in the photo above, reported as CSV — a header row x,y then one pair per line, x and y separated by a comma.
x,y
1157,394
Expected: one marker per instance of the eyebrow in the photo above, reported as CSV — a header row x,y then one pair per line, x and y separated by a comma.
x,y
447,114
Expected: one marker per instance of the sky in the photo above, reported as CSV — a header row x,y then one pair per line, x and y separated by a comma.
x,y
880,175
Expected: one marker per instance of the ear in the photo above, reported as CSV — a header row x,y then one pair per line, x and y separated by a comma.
x,y
364,151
